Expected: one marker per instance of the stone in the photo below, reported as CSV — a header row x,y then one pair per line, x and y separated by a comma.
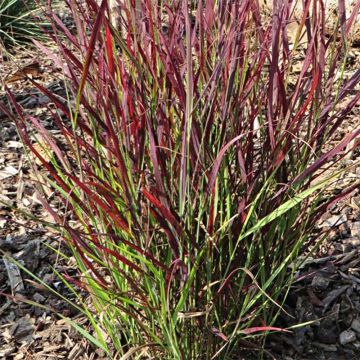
x,y
355,325
39,298
14,275
320,282
23,331
347,337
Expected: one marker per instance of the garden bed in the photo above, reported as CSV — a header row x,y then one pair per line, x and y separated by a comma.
x,y
326,291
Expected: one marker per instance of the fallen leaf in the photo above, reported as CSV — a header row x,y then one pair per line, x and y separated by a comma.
x,y
31,70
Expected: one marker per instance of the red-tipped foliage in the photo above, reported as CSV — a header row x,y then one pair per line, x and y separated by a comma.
x,y
186,127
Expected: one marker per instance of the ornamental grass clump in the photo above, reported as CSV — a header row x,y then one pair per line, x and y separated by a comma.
x,y
191,165
19,22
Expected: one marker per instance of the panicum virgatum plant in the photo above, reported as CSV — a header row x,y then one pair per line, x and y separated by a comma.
x,y
190,164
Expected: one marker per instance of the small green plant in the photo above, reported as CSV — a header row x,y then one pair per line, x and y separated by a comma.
x,y
19,22
189,167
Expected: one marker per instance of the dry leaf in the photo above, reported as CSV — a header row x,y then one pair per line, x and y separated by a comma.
x,y
31,70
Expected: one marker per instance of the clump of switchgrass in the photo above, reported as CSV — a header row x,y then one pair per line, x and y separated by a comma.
x,y
192,164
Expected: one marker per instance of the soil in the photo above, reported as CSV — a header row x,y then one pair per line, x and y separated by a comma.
x,y
325,294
